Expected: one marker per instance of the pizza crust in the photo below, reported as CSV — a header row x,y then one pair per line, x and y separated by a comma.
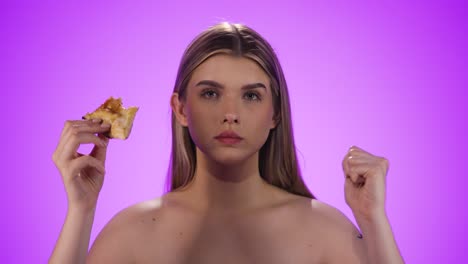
x,y
112,112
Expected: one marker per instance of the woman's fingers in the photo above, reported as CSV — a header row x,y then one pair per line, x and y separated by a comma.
x,y
82,162
75,139
357,174
70,124
92,127
73,132
352,168
81,125
99,151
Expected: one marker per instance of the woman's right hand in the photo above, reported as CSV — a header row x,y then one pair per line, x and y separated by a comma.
x,y
82,175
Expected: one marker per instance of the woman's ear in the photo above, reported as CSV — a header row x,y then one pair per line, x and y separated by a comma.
x,y
178,108
275,121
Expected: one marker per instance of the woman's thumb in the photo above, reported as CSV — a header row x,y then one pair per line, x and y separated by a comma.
x,y
100,151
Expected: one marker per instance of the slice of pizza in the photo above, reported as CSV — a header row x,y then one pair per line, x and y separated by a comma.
x,y
113,113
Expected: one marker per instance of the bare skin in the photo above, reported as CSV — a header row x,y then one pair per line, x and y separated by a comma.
x,y
287,229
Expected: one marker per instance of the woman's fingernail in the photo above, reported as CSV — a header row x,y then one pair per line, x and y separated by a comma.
x,y
96,120
105,125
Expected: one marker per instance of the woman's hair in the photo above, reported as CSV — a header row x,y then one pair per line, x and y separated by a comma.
x,y
277,157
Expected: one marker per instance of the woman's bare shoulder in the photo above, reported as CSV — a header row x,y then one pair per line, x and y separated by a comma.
x,y
123,231
325,215
136,213
341,239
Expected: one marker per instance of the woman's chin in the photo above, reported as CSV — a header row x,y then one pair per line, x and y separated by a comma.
x,y
230,159
227,157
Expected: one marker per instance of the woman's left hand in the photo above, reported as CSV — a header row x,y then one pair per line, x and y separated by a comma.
x,y
365,183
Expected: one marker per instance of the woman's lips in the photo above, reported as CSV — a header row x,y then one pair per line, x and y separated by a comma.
x,y
229,137
229,140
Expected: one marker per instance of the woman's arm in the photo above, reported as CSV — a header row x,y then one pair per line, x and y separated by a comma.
x,y
73,242
112,245
365,193
83,177
379,240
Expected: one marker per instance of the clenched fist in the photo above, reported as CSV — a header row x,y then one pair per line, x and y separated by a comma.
x,y
365,183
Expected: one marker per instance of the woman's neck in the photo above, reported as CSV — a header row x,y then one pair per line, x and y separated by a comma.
x,y
228,188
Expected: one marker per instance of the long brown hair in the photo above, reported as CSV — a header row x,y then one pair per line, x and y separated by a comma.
x,y
277,157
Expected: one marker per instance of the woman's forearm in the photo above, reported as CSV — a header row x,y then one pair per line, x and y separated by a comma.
x,y
73,242
379,240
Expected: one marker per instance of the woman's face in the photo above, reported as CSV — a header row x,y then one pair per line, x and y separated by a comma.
x,y
227,93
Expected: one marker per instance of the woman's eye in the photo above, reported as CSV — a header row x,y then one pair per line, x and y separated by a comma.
x,y
252,96
209,94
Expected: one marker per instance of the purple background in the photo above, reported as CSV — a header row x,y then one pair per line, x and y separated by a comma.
x,y
388,77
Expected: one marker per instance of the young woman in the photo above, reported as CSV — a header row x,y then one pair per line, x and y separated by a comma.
x,y
235,191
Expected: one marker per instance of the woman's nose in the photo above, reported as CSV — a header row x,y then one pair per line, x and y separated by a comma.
x,y
230,107
230,118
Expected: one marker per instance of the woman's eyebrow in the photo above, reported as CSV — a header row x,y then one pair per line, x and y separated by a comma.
x,y
253,86
220,86
210,83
